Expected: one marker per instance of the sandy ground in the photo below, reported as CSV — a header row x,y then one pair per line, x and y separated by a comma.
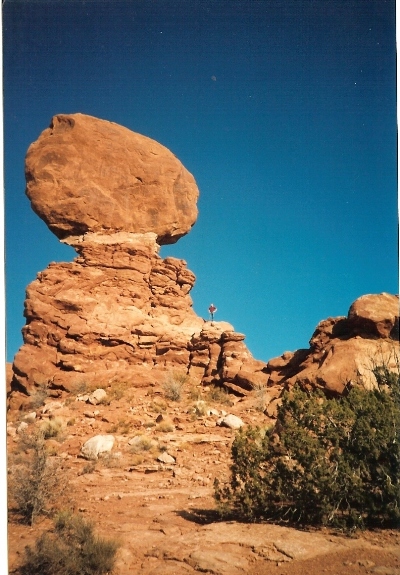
x,y
164,514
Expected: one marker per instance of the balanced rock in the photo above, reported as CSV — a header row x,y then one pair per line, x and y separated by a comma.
x,y
118,312
344,350
89,175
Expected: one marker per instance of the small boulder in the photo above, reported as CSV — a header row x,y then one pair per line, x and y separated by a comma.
x,y
231,421
97,445
30,417
52,406
166,458
98,396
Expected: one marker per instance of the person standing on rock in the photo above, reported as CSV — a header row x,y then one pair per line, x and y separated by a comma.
x,y
212,309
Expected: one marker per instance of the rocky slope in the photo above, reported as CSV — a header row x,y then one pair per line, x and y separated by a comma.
x,y
154,489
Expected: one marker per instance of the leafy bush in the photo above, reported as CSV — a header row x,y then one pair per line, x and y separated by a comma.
x,y
71,548
38,481
326,462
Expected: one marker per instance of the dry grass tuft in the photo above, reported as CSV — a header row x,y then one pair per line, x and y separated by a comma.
x,y
174,385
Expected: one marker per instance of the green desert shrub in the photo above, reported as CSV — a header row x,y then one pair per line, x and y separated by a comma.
x,y
37,482
326,462
70,548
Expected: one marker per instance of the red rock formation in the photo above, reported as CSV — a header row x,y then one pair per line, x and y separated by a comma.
x,y
121,314
118,313
344,350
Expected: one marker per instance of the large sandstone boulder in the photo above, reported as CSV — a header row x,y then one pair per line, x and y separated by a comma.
x,y
345,350
89,175
375,315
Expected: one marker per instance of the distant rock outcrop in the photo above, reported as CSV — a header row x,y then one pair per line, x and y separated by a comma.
x,y
344,350
118,312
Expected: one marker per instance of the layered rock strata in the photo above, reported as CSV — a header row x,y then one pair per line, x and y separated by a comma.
x,y
121,313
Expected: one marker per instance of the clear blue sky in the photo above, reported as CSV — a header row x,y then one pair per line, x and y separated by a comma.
x,y
283,110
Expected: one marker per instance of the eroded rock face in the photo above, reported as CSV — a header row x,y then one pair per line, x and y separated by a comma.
x,y
89,175
344,350
121,314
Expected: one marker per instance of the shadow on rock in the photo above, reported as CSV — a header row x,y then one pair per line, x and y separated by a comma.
x,y
200,516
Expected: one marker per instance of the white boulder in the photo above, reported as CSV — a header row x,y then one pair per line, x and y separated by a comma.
x,y
231,421
97,445
165,457
98,396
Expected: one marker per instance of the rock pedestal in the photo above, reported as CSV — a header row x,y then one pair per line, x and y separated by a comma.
x,y
120,313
